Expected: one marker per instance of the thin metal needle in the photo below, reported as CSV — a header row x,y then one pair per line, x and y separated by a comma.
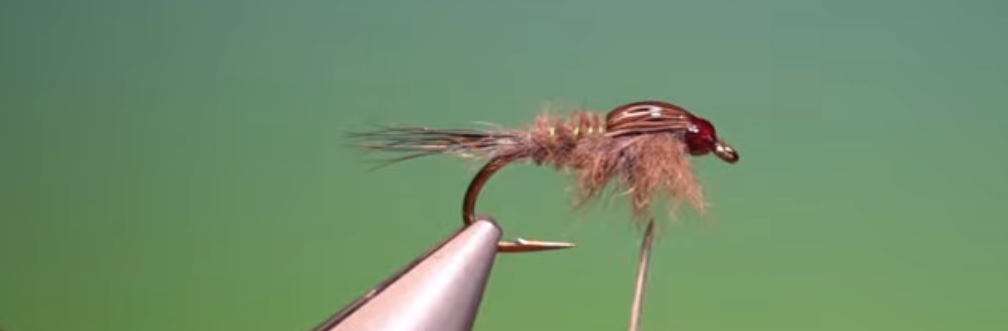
x,y
637,308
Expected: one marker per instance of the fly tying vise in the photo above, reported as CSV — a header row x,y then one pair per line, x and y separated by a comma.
x,y
642,146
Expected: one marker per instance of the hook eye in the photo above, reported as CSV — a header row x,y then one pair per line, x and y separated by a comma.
x,y
725,152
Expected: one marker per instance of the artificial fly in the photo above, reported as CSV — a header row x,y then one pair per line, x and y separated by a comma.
x,y
641,149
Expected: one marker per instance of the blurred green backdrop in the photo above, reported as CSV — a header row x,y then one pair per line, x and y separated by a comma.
x,y
180,165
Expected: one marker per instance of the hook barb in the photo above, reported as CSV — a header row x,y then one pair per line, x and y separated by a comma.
x,y
522,245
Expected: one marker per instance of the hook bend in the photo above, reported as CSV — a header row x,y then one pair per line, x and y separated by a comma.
x,y
519,245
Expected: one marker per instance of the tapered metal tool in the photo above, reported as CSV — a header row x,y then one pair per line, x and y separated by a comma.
x,y
439,291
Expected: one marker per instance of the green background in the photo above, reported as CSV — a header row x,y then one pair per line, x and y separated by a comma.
x,y
181,165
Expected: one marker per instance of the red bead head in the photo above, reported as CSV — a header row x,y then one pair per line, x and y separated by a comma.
x,y
701,139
